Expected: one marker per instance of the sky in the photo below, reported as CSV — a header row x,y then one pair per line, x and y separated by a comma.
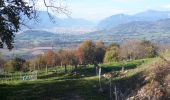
x,y
99,9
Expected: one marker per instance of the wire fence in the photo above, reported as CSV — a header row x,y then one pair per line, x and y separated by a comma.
x,y
34,75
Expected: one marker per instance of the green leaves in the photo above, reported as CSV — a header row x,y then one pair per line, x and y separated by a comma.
x,y
10,20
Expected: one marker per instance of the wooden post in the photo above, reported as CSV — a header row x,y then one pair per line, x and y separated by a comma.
x,y
5,76
65,68
97,71
34,67
115,93
100,79
110,88
123,68
61,64
20,76
11,76
36,75
38,66
46,69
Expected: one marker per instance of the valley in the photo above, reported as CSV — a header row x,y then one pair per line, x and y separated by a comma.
x,y
100,50
150,25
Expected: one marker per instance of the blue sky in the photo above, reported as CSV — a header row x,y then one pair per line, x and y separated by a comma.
x,y
99,9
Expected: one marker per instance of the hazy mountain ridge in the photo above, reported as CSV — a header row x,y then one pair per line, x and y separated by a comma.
x,y
44,21
158,31
115,20
143,27
137,29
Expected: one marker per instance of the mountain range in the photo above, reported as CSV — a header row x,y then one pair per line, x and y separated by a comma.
x,y
115,20
44,21
152,25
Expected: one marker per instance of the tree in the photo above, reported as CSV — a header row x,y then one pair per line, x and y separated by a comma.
x,y
26,66
57,59
68,58
129,49
50,57
137,49
11,12
112,53
148,49
86,53
8,66
17,64
2,61
100,51
73,60
10,19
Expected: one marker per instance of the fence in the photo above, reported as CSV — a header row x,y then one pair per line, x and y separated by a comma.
x,y
34,75
5,76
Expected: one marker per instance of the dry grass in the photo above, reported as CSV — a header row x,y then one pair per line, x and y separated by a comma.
x,y
157,79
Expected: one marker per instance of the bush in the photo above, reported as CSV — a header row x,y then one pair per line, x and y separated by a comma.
x,y
157,85
15,65
112,53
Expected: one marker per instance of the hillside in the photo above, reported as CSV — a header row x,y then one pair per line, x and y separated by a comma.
x,y
158,31
56,85
152,25
133,83
139,27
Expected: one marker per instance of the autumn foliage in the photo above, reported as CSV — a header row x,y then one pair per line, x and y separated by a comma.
x,y
88,53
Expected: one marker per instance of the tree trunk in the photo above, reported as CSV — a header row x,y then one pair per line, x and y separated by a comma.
x,y
75,69
46,69
65,67
61,64
38,66
96,68
85,66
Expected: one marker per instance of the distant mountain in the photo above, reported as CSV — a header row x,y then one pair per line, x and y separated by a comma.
x,y
39,36
141,27
122,27
33,35
115,20
153,15
45,22
156,30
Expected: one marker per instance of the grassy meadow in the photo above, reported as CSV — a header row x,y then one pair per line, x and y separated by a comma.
x,y
56,85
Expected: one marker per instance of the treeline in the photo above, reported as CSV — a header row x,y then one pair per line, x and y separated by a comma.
x,y
88,53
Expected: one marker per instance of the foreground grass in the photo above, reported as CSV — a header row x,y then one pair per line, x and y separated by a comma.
x,y
52,89
84,86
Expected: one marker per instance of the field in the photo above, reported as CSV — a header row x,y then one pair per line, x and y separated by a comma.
x,y
55,85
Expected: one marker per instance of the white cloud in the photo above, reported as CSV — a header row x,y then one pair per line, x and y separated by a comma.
x,y
166,6
97,13
121,1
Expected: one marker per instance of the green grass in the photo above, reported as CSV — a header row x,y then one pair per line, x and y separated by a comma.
x,y
117,66
84,85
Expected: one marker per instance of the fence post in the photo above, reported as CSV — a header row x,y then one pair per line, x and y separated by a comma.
x,y
36,75
115,93
110,88
11,76
46,69
100,79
